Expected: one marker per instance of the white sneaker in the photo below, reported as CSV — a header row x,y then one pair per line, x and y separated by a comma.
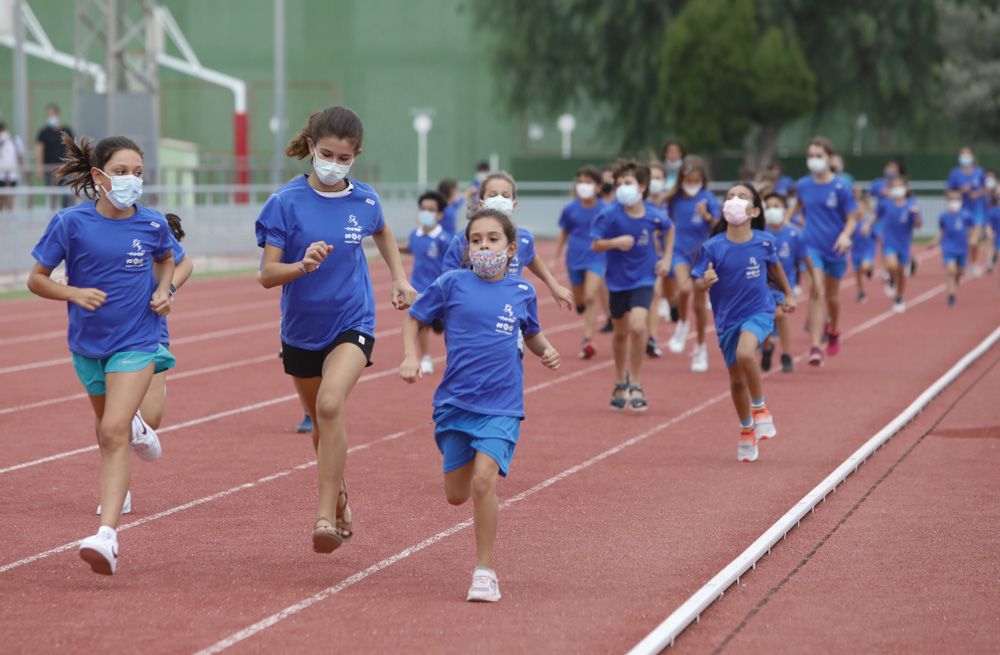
x,y
763,425
101,551
746,450
889,290
145,443
663,309
899,306
126,508
426,365
699,358
679,337
485,587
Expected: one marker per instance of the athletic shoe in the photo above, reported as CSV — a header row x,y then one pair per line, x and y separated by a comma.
x,y
899,306
699,358
862,298
426,365
815,356
101,551
145,443
951,300
678,338
126,508
975,270
787,366
766,353
763,424
587,349
485,587
890,292
652,348
913,267
663,309
746,450
675,314
832,342
305,426
608,328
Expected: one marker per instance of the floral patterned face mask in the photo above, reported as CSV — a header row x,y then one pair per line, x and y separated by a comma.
x,y
487,263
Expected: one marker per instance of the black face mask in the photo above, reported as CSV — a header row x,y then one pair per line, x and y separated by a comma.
x,y
607,188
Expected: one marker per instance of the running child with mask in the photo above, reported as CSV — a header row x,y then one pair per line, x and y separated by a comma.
x,y
428,243
660,309
119,266
735,266
900,216
955,225
479,405
863,243
311,231
627,231
791,252
969,178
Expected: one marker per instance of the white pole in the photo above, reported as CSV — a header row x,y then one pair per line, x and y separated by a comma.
x,y
279,92
566,124
422,160
20,127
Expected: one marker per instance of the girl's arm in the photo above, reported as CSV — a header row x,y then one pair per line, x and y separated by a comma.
x,y
163,273
42,285
710,277
560,246
624,242
274,273
409,370
563,296
403,294
540,346
843,242
663,266
777,272
182,272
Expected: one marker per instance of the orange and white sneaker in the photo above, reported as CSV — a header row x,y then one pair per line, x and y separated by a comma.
x,y
746,451
763,424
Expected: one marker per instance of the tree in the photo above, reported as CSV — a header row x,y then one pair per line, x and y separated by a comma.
x,y
971,70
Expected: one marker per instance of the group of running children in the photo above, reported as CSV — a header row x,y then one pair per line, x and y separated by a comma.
x,y
635,237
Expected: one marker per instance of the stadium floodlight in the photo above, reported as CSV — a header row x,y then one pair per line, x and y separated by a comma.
x,y
422,124
566,124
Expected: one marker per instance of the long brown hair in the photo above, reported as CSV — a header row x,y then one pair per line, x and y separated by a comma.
x,y
692,164
339,122
81,157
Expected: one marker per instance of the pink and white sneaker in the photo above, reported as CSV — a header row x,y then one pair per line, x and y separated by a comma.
x,y
485,587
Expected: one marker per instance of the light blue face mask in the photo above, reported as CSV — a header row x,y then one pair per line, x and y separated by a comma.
x,y
427,218
125,190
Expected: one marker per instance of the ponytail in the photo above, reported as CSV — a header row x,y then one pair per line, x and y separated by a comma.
x,y
81,156
174,221
339,122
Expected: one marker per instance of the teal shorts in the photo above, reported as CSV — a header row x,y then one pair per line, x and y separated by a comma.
x,y
92,371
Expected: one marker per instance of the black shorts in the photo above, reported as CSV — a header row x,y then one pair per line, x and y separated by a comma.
x,y
304,363
622,302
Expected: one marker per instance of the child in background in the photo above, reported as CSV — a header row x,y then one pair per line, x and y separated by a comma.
x,y
448,188
428,242
734,268
992,215
900,217
627,230
955,224
969,178
479,405
863,244
658,194
585,267
791,251
673,160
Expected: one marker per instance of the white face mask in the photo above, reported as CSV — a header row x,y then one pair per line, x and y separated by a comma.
x,y
657,186
966,160
501,204
628,194
691,190
991,183
817,165
427,218
897,192
673,165
954,206
774,215
481,176
585,190
735,211
125,190
329,172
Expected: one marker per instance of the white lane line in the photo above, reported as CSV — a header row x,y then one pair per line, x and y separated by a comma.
x,y
304,604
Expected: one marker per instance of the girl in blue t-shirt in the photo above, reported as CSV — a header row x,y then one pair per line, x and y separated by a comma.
x,y
863,243
428,243
584,266
791,252
955,225
659,193
969,178
119,267
900,216
628,230
479,405
312,230
734,268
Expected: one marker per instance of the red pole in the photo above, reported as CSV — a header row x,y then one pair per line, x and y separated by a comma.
x,y
240,153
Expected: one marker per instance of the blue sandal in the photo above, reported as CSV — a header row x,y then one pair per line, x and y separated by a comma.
x,y
637,404
618,402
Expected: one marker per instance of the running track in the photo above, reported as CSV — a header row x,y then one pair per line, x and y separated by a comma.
x,y
609,523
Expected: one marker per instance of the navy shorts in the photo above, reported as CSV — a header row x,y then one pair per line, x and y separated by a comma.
x,y
622,302
303,363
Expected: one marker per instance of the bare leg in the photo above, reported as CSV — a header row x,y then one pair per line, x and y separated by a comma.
x,y
832,293
619,346
591,293
637,342
653,316
817,307
700,314
155,400
746,359
486,507
781,320
738,391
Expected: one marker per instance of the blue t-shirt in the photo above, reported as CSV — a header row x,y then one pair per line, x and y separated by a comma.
x,y
576,220
899,222
976,178
791,251
115,256
482,319
955,228
784,186
428,255
742,289
994,222
450,214
692,230
179,256
863,245
634,268
338,295
523,256
826,207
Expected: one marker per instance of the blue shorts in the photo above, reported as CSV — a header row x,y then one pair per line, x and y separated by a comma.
x,y
682,258
92,371
902,254
979,218
958,258
834,266
460,434
760,325
577,275
863,256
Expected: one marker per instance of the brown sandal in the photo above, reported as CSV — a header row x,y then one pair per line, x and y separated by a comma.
x,y
326,538
345,519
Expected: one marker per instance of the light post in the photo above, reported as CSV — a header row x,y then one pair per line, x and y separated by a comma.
x,y
566,124
422,123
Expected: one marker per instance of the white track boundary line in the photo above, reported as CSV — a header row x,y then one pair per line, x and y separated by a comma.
x,y
304,604
665,633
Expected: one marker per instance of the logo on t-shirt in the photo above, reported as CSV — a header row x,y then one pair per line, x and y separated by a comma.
x,y
753,270
506,321
831,200
514,265
644,237
136,256
352,231
433,251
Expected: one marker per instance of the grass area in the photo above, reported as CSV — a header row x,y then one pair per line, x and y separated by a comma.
x,y
14,295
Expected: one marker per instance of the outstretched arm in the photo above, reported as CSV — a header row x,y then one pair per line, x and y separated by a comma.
x,y
403,293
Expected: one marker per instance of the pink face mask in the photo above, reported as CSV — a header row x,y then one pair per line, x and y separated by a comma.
x,y
735,211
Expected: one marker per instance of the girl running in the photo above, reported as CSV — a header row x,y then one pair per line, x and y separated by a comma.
x,y
791,254
585,267
969,178
428,243
993,219
311,230
673,160
479,405
831,214
658,194
119,263
955,224
900,216
627,230
734,267
693,209
863,244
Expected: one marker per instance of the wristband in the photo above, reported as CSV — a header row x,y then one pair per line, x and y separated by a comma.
x,y
172,289
302,267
